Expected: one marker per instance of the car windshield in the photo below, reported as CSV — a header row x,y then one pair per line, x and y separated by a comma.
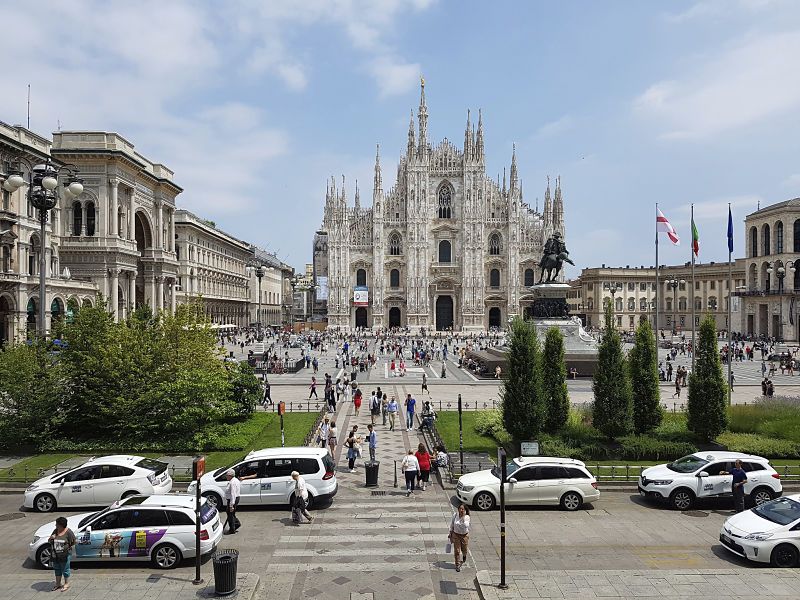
x,y
92,516
687,464
781,511
510,468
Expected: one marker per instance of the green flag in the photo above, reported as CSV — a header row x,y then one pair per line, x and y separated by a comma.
x,y
695,240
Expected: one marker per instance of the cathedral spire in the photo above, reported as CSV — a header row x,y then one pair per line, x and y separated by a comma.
x,y
411,136
514,177
344,193
358,198
558,208
479,141
378,182
467,140
548,206
423,119
504,181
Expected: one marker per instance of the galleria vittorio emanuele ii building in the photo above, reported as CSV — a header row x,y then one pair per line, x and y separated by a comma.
x,y
446,247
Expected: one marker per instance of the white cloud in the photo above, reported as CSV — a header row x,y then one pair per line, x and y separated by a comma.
x,y
716,209
560,125
792,181
751,81
394,77
721,8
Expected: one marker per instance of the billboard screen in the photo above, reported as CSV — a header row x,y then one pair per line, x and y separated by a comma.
x,y
322,289
361,296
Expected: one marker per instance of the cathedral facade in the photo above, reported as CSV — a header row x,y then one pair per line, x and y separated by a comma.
x,y
445,248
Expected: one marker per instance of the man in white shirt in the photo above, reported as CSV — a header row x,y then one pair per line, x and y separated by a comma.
x,y
232,495
300,499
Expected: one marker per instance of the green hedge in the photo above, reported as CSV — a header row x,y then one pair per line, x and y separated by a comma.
x,y
760,445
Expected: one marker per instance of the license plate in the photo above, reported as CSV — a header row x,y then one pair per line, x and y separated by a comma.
x,y
725,539
215,526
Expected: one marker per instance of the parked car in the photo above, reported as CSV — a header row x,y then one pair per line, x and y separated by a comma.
x,y
535,480
99,482
266,477
160,529
705,475
769,533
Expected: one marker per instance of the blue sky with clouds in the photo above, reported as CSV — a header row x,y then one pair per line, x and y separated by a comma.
x,y
255,104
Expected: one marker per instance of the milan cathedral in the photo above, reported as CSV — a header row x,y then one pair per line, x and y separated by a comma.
x,y
445,248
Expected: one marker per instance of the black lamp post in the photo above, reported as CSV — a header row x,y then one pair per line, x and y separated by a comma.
x,y
613,287
259,275
42,182
780,271
674,283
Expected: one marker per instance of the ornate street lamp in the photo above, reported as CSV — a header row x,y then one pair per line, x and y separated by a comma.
x,y
42,182
674,283
780,271
259,274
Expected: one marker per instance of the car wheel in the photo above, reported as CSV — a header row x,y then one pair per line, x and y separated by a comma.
x,y
129,494
784,556
166,556
761,496
483,501
681,499
44,503
571,501
213,499
44,556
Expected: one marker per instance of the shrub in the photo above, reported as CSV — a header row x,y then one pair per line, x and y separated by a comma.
x,y
760,445
707,398
641,447
521,391
554,381
643,360
490,422
613,405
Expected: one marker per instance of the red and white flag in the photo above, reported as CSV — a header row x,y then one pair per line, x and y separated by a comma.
x,y
664,226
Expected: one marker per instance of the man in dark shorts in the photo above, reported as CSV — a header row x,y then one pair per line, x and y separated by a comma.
x,y
425,383
739,479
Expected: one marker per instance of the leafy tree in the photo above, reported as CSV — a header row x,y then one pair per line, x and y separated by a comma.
x,y
643,362
707,414
613,406
521,394
245,389
554,381
31,392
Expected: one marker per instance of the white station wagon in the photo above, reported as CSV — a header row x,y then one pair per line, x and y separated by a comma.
x,y
99,482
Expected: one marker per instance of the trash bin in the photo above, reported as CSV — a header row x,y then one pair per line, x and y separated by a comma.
x,y
225,563
371,470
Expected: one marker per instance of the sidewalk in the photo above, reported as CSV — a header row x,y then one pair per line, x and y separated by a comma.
x,y
676,585
84,585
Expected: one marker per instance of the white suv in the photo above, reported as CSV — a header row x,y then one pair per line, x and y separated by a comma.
x,y
531,480
266,477
704,475
156,528
99,482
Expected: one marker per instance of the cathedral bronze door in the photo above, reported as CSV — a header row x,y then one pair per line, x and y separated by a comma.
x,y
444,313
394,317
361,317
494,317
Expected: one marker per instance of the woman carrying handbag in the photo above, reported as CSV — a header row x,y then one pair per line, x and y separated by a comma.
x,y
459,534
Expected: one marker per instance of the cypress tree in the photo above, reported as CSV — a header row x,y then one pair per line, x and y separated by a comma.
x,y
643,361
554,381
707,414
520,393
613,406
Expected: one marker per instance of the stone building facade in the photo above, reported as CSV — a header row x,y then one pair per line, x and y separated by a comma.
x,y
21,247
769,304
446,247
277,276
212,264
120,233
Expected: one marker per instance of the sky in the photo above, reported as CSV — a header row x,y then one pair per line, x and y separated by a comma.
x,y
255,104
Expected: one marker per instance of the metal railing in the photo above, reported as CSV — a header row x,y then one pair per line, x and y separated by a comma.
x,y
633,472
306,406
311,435
439,405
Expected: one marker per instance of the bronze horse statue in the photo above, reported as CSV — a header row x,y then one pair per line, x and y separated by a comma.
x,y
552,263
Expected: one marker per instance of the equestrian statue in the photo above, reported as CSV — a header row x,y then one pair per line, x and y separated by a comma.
x,y
553,258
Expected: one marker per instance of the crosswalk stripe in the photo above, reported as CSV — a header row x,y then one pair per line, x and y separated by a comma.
x,y
362,567
414,551
411,506
427,537
384,527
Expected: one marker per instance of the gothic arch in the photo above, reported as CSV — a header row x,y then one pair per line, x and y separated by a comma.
x,y
144,231
444,196
395,244
495,243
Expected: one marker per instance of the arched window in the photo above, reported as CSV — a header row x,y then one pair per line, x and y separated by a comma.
x,y
530,278
495,245
494,278
643,304
669,303
779,237
765,239
796,243
698,303
395,244
394,278
618,305
590,304
77,218
445,202
361,277
797,274
90,218
631,304
754,240
681,303
444,251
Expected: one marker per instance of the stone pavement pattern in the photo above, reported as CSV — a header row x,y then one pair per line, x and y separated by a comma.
x,y
673,584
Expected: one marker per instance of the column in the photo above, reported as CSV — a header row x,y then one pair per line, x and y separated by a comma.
x,y
131,218
114,207
171,244
115,293
131,291
153,293
160,227
160,302
172,297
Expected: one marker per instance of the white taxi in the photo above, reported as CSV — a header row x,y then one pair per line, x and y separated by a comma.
x,y
769,533
99,482
160,529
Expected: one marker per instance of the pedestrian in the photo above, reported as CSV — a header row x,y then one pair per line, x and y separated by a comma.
x,y
372,439
442,459
732,380
410,403
267,394
322,432
763,368
737,486
315,364
392,409
232,494
62,541
357,401
677,387
332,433
459,534
428,415
425,384
410,467
384,405
424,460
352,450
300,502
392,369
444,369
313,388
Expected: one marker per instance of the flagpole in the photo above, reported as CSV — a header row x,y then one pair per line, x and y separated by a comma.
x,y
691,252
657,288
730,304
